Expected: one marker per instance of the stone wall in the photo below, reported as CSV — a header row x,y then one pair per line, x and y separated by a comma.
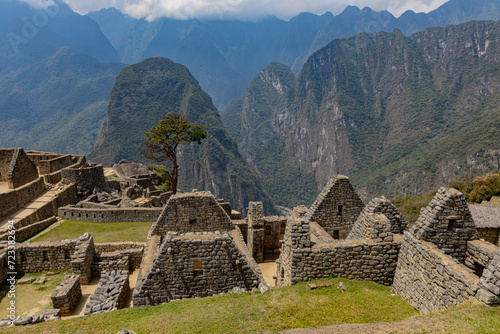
x,y
447,223
44,256
13,200
21,170
55,164
67,295
429,279
82,258
5,159
24,233
301,260
274,231
109,261
337,207
490,283
490,234
108,215
255,234
85,177
479,255
192,212
65,196
195,265
110,294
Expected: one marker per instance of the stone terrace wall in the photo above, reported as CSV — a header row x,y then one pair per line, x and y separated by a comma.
x,y
21,170
81,261
111,293
337,207
447,223
37,220
188,266
192,212
44,256
430,280
109,215
67,295
24,233
14,200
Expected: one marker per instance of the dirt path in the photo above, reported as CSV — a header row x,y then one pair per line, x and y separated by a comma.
x,y
268,271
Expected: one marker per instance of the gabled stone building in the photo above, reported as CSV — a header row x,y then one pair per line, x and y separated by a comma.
x,y
194,250
337,207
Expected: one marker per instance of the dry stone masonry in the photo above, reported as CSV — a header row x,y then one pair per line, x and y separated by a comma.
x,y
67,295
441,261
191,252
110,294
337,207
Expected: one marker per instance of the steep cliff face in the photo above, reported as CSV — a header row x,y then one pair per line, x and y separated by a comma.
x,y
398,114
143,93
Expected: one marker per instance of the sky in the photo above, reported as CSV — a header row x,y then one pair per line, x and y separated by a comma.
x,y
239,9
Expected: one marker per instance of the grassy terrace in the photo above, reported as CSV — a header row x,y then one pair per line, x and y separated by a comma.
x,y
102,232
364,302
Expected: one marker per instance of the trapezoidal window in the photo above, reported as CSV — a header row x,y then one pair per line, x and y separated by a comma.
x,y
267,230
198,268
336,234
452,224
340,210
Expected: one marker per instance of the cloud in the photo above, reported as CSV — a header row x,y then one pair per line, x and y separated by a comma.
x,y
242,9
38,4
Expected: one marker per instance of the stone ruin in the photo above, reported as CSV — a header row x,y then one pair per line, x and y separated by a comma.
x,y
199,247
442,262
194,250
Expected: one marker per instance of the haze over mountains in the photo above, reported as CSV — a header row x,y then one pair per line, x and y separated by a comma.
x,y
382,108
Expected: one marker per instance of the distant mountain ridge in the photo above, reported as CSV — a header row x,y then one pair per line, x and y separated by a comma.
x,y
400,115
144,93
225,55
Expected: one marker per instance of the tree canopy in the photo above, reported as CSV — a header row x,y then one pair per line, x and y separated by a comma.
x,y
162,141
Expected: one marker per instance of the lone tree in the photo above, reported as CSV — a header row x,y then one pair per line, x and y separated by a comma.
x,y
162,141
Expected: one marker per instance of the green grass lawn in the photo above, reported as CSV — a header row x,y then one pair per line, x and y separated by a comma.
x,y
102,232
31,299
364,302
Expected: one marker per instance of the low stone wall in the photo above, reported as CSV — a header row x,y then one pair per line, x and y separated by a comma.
x,y
81,261
133,250
44,256
111,293
67,295
24,233
479,255
301,260
110,215
55,164
14,200
490,283
243,226
109,261
429,279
